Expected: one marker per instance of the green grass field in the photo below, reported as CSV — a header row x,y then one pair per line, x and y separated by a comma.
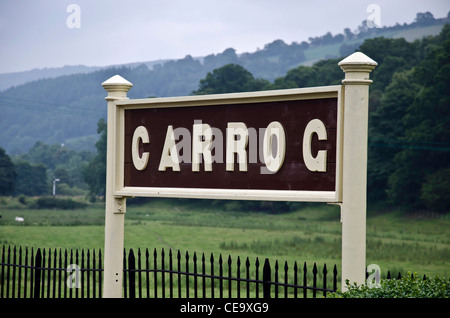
x,y
395,241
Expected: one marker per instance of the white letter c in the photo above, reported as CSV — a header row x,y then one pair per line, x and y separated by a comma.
x,y
139,134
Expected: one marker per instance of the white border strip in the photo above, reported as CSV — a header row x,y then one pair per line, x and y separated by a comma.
x,y
230,194
233,98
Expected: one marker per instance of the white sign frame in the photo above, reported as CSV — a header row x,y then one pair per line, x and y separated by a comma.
x,y
120,190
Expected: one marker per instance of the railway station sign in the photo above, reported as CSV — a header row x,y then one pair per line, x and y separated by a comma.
x,y
272,145
305,144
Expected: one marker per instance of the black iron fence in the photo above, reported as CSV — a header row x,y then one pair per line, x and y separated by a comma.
x,y
52,273
26,273
178,276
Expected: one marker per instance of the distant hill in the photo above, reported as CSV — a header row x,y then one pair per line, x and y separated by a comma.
x,y
8,80
323,47
64,105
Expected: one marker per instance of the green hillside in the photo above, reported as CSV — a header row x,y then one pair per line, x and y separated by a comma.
x,y
335,50
66,109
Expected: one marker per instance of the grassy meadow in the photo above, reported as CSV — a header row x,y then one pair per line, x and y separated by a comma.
x,y
396,241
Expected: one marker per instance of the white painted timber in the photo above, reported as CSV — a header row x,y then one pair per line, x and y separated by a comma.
x,y
357,68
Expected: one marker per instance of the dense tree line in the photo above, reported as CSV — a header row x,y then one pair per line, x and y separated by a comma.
x,y
32,174
409,119
21,177
7,174
95,171
409,139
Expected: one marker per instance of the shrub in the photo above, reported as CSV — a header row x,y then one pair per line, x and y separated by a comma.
x,y
65,189
406,287
435,191
55,203
22,199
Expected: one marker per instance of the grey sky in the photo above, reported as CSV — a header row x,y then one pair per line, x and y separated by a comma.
x,y
34,34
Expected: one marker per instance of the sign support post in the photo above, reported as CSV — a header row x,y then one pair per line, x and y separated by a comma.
x,y
117,88
357,68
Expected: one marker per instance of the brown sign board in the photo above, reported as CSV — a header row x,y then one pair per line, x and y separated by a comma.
x,y
278,145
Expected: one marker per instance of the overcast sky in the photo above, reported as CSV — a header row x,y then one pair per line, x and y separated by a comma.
x,y
36,34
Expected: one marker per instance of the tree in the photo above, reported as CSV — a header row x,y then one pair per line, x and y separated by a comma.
x,y
228,56
387,130
435,193
62,162
230,78
328,72
325,72
275,48
348,33
63,176
426,130
7,174
31,179
395,55
347,49
302,76
95,172
426,18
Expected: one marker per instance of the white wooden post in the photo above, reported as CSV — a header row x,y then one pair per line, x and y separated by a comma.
x,y
117,88
357,68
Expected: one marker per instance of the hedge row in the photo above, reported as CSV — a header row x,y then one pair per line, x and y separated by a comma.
x,y
55,203
406,287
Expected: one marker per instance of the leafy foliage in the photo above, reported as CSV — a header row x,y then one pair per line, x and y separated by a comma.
x,y
95,172
230,78
326,72
426,133
56,203
7,173
434,192
31,179
409,115
406,287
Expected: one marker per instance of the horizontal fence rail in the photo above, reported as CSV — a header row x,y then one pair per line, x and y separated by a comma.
x,y
52,273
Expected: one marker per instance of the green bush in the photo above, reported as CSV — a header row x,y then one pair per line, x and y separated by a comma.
x,y
406,287
65,189
55,203
435,191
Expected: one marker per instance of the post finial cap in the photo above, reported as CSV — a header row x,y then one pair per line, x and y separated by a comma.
x,y
357,67
115,83
357,58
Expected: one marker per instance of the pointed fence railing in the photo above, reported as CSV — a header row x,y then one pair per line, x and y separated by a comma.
x,y
41,273
184,276
52,273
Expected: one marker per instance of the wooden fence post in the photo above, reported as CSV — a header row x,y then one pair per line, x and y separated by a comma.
x,y
117,88
357,68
